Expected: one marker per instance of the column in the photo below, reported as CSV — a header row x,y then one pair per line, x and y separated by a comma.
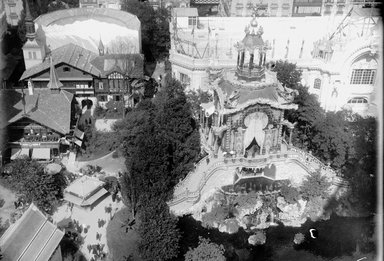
x,y
238,58
290,136
264,58
261,58
251,61
242,59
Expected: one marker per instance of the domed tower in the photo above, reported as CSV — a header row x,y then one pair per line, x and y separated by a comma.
x,y
252,53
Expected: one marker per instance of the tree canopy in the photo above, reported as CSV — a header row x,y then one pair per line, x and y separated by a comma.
x,y
28,179
161,143
154,26
206,251
288,74
158,231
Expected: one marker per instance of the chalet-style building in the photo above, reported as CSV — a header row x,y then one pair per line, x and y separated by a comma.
x,y
82,71
85,74
37,120
32,237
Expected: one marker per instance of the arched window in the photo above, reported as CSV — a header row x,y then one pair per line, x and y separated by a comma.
x,y
363,76
358,100
317,83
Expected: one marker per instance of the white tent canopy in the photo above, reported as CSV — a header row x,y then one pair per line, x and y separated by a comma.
x,y
19,152
41,153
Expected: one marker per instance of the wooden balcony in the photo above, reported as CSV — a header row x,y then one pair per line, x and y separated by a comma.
x,y
53,138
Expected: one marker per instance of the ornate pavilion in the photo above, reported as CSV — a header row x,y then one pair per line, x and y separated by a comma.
x,y
246,115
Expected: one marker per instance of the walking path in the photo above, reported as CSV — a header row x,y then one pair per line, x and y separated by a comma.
x,y
110,165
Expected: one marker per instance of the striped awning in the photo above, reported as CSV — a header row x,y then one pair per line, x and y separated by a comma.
x,y
206,2
41,153
78,142
19,152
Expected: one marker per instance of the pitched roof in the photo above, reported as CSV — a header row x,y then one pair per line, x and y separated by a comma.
x,y
122,63
84,186
84,191
31,238
70,54
44,107
184,12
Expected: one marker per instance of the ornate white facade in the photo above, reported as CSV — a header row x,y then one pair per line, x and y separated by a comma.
x,y
339,56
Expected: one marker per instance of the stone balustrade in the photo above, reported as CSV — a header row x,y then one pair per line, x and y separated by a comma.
x,y
206,168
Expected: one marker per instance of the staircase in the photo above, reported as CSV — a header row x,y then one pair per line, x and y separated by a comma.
x,y
228,134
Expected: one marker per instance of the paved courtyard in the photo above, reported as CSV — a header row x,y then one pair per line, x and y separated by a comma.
x,y
90,218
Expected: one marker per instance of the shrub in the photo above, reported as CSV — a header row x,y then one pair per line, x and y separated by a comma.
x,y
206,250
314,186
99,112
290,194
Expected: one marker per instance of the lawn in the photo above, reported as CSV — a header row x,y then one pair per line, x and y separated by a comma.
x,y
120,243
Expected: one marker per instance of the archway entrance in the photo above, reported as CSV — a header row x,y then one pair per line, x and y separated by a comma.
x,y
86,102
253,149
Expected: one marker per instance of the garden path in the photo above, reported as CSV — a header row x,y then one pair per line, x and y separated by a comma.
x,y
110,165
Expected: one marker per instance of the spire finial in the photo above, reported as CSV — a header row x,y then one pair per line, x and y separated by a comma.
x,y
28,16
101,47
54,82
29,24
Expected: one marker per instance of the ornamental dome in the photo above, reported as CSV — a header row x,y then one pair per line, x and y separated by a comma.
x,y
252,42
254,22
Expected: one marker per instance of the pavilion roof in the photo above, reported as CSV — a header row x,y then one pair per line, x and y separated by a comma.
x,y
32,237
84,187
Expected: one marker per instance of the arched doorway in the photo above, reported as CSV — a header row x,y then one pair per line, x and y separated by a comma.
x,y
253,149
255,123
86,102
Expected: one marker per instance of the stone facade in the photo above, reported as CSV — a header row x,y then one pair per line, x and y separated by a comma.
x,y
246,114
353,42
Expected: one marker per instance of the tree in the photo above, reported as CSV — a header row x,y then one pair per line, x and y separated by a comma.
x,y
177,124
205,251
29,180
196,98
129,192
332,140
57,5
288,74
309,110
154,26
290,194
158,231
308,113
315,185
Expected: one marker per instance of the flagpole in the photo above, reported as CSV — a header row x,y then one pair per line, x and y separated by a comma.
x,y
23,99
209,33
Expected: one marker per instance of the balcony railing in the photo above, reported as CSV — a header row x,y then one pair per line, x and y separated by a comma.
x,y
40,138
251,74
